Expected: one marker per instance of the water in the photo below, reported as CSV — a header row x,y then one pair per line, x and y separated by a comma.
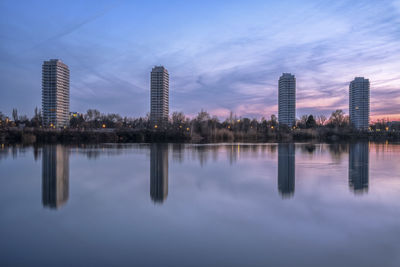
x,y
200,205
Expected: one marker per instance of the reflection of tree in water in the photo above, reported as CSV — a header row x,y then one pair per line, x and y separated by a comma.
x,y
337,151
384,148
245,149
4,152
94,151
55,176
178,152
272,148
93,154
215,154
159,172
286,170
308,148
254,150
36,152
202,153
359,167
233,152
16,150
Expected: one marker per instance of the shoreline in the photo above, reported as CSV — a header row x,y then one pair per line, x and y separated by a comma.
x,y
97,136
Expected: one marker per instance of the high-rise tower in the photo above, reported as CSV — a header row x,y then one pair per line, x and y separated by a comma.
x,y
359,103
159,102
287,100
55,94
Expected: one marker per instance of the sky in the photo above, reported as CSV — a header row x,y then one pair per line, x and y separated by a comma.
x,y
222,56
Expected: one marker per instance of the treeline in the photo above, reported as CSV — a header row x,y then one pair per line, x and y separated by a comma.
x,y
97,127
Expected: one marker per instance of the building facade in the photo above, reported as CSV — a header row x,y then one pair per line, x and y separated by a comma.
x,y
359,103
159,101
55,94
287,100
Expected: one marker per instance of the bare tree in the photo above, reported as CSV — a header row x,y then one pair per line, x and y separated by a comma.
x,y
274,120
338,119
321,119
15,114
178,119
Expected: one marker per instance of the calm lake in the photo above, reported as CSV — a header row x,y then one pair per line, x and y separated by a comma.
x,y
200,205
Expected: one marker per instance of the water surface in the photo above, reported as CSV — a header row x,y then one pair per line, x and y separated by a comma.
x,y
200,205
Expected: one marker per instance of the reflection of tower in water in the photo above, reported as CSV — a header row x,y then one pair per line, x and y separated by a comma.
x,y
359,167
159,172
55,176
286,169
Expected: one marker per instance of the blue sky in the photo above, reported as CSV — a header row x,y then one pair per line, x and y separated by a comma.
x,y
222,56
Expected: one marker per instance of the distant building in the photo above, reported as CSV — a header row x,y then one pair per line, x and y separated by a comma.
x,y
159,172
394,125
75,115
55,93
359,103
55,176
286,169
287,100
159,102
359,167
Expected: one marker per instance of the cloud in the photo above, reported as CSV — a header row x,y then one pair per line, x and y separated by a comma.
x,y
77,25
229,62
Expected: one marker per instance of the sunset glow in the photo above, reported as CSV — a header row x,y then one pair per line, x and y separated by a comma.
x,y
222,56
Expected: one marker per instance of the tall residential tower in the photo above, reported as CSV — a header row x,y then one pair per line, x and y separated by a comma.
x,y
287,100
55,93
159,102
359,103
